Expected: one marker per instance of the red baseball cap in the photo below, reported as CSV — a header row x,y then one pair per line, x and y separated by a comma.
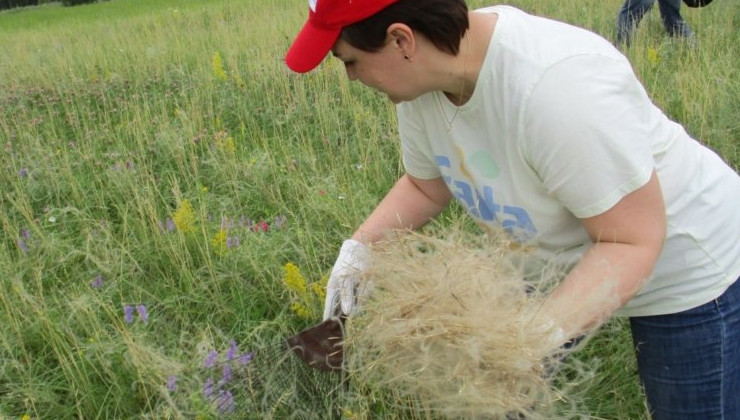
x,y
326,18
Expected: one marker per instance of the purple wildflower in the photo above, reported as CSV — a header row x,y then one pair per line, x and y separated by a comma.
x,y
232,242
226,402
23,172
22,245
97,282
143,315
210,360
246,358
172,383
226,373
208,388
26,234
233,349
280,221
224,223
128,312
170,225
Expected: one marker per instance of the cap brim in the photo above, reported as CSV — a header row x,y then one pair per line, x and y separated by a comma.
x,y
310,47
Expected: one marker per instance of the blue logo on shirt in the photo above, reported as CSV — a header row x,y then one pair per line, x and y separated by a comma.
x,y
514,220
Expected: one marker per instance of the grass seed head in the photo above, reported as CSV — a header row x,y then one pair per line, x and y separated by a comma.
x,y
450,325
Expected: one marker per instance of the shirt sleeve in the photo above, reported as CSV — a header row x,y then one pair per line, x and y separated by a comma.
x,y
587,132
417,154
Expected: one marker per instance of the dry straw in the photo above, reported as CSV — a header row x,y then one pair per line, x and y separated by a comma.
x,y
451,325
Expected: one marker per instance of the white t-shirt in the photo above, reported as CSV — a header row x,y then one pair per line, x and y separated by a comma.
x,y
559,128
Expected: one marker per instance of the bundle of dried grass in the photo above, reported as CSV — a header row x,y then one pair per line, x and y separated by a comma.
x,y
451,324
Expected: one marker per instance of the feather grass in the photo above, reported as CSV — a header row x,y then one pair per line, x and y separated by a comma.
x,y
452,324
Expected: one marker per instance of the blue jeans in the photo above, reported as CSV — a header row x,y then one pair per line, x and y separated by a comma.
x,y
632,12
689,362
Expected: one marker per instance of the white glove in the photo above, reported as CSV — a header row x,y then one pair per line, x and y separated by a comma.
x,y
556,336
550,334
344,287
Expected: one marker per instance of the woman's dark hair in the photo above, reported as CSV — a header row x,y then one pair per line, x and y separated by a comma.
x,y
443,22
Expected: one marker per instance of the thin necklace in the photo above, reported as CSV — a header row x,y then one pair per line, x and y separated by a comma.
x,y
462,90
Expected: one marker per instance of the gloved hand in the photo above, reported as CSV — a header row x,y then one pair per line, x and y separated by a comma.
x,y
540,323
555,334
344,288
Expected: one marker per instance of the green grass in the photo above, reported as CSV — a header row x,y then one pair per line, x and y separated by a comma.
x,y
112,115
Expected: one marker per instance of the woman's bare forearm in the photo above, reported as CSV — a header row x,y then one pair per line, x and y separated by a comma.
x,y
410,204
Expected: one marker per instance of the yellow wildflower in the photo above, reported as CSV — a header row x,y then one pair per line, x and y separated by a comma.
x,y
294,279
653,56
184,217
239,81
304,302
225,142
217,66
26,417
228,145
319,289
301,310
349,413
219,241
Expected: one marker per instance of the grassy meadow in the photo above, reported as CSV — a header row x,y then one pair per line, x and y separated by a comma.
x,y
171,194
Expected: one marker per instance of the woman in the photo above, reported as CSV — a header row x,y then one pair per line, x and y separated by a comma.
x,y
542,128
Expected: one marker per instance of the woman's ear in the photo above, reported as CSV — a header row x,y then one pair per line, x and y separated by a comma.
x,y
403,38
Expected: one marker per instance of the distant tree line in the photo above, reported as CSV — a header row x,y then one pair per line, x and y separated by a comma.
x,y
9,4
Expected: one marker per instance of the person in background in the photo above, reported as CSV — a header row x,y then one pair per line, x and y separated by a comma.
x,y
543,130
633,11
